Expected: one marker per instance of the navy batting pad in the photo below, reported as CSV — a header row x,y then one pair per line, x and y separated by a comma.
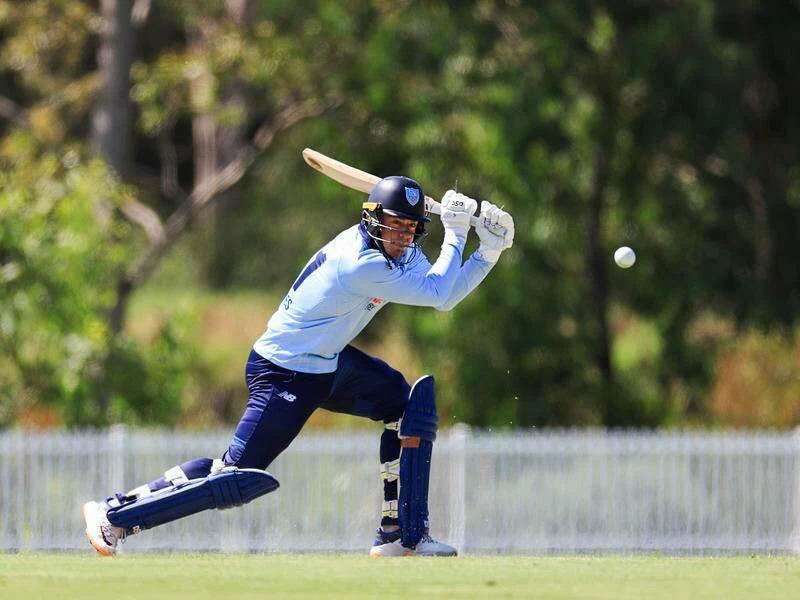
x,y
225,489
419,420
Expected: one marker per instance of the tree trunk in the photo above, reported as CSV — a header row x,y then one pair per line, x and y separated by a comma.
x,y
596,261
111,134
596,251
111,118
219,166
216,145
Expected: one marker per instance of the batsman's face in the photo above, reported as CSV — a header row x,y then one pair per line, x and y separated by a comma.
x,y
398,234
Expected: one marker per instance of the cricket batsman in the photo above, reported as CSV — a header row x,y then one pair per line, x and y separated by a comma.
x,y
304,361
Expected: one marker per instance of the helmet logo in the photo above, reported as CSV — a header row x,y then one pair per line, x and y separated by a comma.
x,y
412,195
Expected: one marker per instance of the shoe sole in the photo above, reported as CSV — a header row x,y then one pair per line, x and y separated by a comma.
x,y
102,550
376,552
409,553
391,551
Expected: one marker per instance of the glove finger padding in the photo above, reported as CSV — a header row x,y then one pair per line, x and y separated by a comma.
x,y
499,221
490,234
495,230
507,222
488,213
492,218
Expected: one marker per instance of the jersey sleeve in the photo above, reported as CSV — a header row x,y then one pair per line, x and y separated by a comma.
x,y
370,275
471,274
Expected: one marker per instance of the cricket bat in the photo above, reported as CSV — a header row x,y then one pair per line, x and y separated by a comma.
x,y
356,179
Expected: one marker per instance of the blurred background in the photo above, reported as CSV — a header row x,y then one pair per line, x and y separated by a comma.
x,y
154,205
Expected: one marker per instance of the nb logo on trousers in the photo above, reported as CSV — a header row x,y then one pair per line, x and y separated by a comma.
x,y
287,396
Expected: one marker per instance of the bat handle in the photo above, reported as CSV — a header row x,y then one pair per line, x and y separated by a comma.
x,y
436,208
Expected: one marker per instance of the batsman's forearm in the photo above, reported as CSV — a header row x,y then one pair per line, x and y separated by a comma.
x,y
470,276
420,285
449,261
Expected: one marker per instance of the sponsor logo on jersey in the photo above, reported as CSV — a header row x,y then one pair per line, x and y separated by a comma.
x,y
287,396
373,303
412,195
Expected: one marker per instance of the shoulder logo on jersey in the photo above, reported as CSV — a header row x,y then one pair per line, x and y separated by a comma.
x,y
287,396
412,195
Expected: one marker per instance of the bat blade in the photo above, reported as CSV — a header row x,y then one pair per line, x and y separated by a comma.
x,y
356,179
348,176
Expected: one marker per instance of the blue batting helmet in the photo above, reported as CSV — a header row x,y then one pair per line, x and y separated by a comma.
x,y
397,196
400,197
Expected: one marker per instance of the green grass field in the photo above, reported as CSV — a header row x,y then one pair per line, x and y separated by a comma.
x,y
198,577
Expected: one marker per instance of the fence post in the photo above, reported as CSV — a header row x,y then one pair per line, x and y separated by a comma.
x,y
23,510
459,435
117,439
795,543
5,488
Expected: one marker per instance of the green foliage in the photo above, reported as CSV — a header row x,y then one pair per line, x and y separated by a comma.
x,y
210,337
62,247
669,129
44,47
145,381
60,250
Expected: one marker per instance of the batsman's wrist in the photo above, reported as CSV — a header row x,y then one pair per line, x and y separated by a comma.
x,y
458,238
485,254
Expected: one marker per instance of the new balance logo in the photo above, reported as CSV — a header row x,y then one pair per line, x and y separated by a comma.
x,y
287,396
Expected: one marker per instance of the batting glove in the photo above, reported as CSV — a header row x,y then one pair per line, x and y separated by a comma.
x,y
495,230
456,212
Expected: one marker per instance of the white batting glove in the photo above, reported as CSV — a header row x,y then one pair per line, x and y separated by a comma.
x,y
495,229
456,212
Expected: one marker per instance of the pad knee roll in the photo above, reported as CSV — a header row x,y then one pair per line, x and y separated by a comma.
x,y
417,432
420,418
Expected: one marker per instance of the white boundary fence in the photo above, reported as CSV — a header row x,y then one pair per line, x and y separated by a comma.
x,y
509,493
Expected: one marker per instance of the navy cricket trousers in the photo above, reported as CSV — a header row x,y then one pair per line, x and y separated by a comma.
x,y
281,401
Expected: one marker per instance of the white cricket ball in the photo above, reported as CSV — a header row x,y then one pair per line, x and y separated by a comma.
x,y
624,257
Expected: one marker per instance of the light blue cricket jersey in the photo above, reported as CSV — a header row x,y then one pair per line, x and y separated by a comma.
x,y
345,284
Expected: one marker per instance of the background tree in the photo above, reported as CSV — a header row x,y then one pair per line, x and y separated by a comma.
x,y
667,128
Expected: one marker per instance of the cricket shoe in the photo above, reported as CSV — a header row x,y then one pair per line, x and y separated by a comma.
x,y
101,533
389,544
